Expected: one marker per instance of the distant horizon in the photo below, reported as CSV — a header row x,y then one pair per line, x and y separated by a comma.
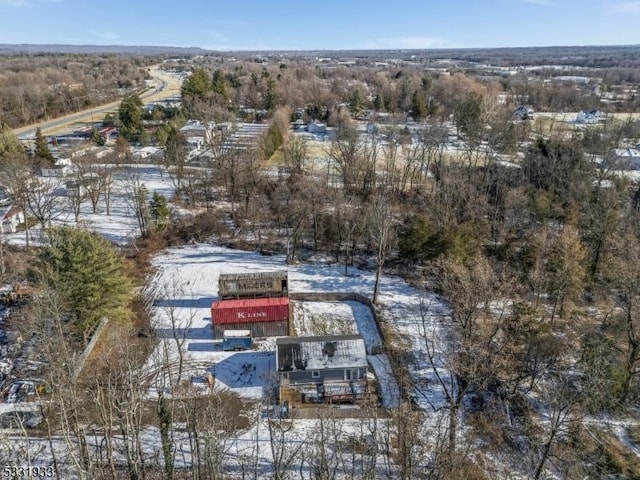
x,y
254,25
195,47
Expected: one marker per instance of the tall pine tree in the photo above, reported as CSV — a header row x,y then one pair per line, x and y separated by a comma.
x,y
89,275
42,154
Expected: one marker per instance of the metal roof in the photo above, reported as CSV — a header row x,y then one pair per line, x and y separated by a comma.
x,y
250,302
320,353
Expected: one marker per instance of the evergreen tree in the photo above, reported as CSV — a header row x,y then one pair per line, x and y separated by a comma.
x,y
219,84
419,106
130,116
197,84
10,146
270,96
89,275
159,211
272,141
356,104
378,102
97,138
43,156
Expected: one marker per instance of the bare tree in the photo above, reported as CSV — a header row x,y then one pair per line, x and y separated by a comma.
x,y
295,152
561,403
136,194
43,200
382,232
285,445
356,160
171,299
466,363
76,195
16,180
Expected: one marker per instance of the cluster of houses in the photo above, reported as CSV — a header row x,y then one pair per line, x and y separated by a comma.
x,y
314,369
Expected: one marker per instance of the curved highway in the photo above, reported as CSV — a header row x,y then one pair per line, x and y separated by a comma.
x,y
167,86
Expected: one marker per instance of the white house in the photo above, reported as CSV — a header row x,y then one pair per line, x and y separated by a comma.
x,y
195,143
195,128
592,116
55,171
12,216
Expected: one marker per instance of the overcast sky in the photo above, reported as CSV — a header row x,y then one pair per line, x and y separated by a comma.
x,y
322,24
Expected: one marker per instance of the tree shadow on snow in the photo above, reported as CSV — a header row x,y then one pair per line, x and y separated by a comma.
x,y
205,346
204,302
200,333
247,370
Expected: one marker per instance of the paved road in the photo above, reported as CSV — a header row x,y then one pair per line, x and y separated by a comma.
x,y
167,86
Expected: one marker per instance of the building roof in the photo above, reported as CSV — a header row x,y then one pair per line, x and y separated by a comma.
x,y
247,275
10,212
250,302
320,353
626,152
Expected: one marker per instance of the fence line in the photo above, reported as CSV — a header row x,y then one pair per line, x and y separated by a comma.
x,y
341,297
82,358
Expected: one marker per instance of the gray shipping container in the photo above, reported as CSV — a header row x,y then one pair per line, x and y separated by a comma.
x,y
258,329
253,285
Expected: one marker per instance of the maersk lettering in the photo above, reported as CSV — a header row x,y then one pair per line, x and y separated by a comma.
x,y
251,315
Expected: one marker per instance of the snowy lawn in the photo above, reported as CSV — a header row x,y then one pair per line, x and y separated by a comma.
x,y
121,225
186,283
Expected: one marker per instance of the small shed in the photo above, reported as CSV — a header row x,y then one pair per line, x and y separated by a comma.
x,y
237,340
322,369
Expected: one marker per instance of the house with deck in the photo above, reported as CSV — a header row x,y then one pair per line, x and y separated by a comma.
x,y
322,369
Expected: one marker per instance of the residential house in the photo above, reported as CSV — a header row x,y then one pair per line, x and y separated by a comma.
x,y
195,143
12,216
592,116
316,128
623,159
524,112
198,133
322,369
4,200
61,168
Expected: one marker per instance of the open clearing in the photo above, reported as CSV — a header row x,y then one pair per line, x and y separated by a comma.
x,y
186,283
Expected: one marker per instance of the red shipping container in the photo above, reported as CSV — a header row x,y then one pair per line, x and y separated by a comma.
x,y
250,310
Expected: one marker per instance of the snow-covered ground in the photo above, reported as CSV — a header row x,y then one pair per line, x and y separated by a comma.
x,y
121,225
186,283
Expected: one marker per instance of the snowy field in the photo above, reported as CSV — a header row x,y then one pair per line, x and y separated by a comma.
x,y
121,225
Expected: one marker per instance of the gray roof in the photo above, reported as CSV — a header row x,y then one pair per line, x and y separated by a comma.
x,y
320,353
